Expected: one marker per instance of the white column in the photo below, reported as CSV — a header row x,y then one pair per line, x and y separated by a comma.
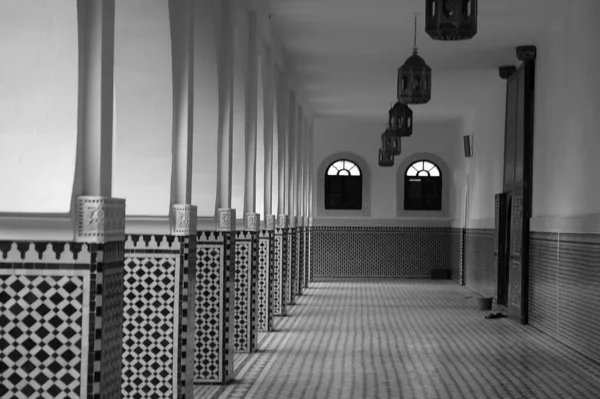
x,y
268,80
226,216
282,116
290,160
250,125
182,213
298,164
96,28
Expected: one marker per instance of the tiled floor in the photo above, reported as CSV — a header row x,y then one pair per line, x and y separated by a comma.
x,y
404,339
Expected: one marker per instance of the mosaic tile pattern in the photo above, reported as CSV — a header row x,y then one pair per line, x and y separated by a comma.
x,y
437,346
264,282
213,346
186,319
42,331
480,266
378,252
281,272
309,269
102,321
456,255
150,326
290,293
111,294
301,260
245,292
565,289
543,282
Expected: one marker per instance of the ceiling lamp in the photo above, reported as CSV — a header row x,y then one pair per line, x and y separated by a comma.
x,y
451,19
386,152
401,120
414,78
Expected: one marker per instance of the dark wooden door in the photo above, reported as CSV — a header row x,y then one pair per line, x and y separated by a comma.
x,y
518,165
499,249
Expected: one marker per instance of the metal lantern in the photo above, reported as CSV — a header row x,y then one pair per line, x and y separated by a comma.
x,y
392,139
414,78
386,152
451,19
401,120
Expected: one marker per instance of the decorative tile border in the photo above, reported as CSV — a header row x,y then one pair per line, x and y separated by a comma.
x,y
45,252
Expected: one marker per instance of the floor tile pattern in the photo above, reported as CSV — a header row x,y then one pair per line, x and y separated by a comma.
x,y
408,339
480,265
150,326
379,252
41,335
263,310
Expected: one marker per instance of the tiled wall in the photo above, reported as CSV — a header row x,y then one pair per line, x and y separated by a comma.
x,y
264,285
61,307
456,255
379,251
564,290
244,312
213,343
479,264
155,316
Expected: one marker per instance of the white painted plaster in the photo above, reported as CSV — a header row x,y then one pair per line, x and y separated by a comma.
x,y
38,103
144,107
362,137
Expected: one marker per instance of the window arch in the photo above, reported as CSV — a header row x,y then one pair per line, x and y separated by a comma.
x,y
423,187
354,164
423,184
343,186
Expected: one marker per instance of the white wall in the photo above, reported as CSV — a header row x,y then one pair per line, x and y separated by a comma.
x,y
482,174
144,107
38,104
362,137
567,140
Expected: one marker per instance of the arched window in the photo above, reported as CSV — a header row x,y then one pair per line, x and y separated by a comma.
x,y
423,187
343,185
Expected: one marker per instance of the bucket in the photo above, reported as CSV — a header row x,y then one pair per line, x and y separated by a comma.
x,y
484,303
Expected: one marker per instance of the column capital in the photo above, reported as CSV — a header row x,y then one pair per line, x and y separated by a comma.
x,y
184,219
293,220
306,221
270,222
100,219
283,221
225,219
252,221
300,221
310,221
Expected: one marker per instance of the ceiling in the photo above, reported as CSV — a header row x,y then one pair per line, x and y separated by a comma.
x,y
344,54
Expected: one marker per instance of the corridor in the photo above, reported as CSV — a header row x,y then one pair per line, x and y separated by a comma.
x,y
403,339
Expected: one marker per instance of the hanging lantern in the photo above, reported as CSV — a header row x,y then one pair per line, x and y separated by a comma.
x,y
386,152
401,120
392,139
451,19
414,78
